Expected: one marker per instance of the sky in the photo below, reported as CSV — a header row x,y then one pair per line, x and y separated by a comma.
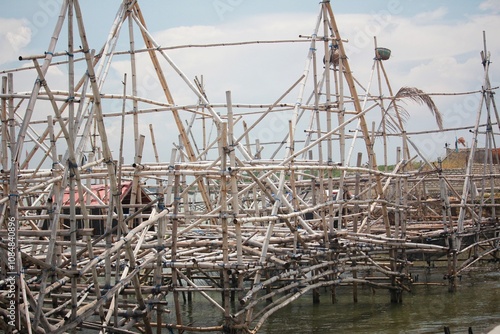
x,y
435,47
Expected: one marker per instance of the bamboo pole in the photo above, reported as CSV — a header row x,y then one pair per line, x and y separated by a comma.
x,y
175,222
137,15
357,106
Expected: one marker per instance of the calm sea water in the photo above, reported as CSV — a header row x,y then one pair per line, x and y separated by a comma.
x,y
427,309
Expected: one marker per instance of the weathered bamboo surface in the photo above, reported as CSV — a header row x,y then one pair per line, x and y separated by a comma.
x,y
90,242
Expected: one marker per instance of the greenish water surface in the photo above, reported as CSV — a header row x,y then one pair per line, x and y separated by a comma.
x,y
427,309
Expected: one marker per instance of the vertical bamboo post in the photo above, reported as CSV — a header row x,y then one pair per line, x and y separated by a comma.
x,y
396,295
378,63
150,43
158,273
223,149
107,155
234,181
72,174
122,131
355,225
316,94
135,194
133,69
357,106
327,51
468,171
173,255
71,129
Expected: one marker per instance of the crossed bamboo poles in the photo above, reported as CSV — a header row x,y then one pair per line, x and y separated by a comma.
x,y
163,247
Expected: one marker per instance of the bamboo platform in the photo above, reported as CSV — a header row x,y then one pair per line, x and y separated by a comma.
x,y
90,242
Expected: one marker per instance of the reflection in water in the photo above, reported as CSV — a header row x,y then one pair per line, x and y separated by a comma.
x,y
426,310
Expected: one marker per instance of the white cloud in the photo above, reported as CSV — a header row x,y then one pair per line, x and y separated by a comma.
x,y
430,16
490,5
427,52
432,54
14,35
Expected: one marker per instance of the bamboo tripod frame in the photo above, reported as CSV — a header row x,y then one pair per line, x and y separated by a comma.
x,y
248,233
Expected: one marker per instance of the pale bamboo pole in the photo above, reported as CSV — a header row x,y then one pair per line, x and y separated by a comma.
x,y
148,39
74,178
34,94
341,108
269,109
174,239
378,62
357,107
135,194
17,148
122,132
107,52
71,143
470,161
25,298
204,294
406,152
223,149
153,142
108,156
133,68
316,113
113,308
40,138
233,178
158,273
339,87
84,118
279,191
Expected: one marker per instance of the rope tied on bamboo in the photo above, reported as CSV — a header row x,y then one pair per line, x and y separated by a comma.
x,y
42,82
48,53
156,289
69,54
159,248
109,162
71,164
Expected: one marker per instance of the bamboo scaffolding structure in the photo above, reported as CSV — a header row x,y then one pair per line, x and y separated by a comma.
x,y
246,224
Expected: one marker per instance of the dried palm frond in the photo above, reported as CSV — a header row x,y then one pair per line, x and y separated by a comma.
x,y
414,95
